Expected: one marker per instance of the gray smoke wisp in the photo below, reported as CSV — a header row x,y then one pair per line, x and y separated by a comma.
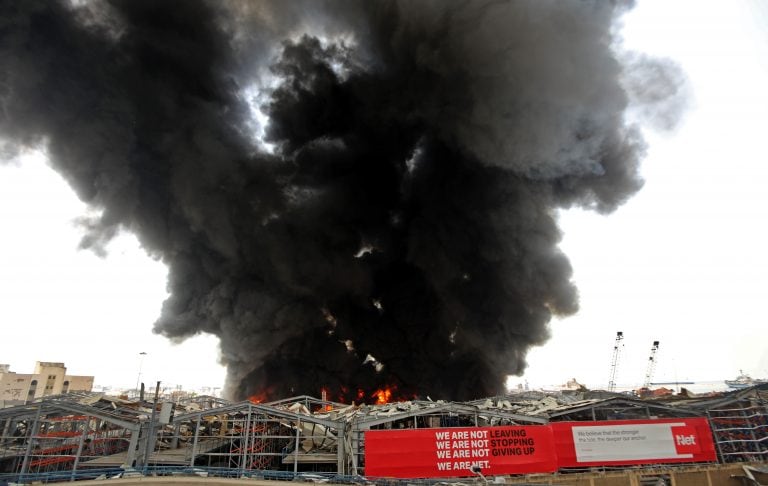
x,y
350,195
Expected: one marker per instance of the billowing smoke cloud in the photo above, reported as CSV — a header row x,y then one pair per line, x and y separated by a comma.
x,y
348,194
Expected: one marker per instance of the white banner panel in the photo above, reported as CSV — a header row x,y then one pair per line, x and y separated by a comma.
x,y
596,443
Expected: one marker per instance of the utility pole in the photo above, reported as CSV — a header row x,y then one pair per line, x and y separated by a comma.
x,y
618,345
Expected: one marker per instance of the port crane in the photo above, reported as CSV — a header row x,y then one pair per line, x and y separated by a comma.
x,y
617,346
651,365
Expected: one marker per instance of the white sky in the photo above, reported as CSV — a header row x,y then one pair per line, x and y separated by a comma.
x,y
684,262
93,314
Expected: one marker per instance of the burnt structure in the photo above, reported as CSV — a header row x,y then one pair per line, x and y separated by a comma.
x,y
73,436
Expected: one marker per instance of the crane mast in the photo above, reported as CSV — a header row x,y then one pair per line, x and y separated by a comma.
x,y
651,365
618,345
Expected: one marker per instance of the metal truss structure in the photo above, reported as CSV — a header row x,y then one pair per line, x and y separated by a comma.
x,y
69,434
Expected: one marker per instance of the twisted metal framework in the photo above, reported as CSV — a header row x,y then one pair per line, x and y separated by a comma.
x,y
74,437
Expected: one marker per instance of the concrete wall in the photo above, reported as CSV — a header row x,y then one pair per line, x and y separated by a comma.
x,y
48,379
698,476
14,387
714,475
79,383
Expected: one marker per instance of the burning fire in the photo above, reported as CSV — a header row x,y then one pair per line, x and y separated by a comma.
x,y
260,397
382,395
324,397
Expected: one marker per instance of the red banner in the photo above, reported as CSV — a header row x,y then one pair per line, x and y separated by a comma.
x,y
454,452
627,442
423,453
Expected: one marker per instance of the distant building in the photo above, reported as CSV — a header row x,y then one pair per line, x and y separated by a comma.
x,y
47,379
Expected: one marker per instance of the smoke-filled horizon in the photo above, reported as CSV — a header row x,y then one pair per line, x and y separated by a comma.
x,y
350,195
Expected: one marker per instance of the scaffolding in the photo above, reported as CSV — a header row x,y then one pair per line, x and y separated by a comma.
x,y
247,436
740,429
60,435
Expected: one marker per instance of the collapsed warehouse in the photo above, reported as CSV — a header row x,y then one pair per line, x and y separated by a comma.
x,y
77,433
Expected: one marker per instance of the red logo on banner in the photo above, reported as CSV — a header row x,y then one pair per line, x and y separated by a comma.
x,y
686,440
456,452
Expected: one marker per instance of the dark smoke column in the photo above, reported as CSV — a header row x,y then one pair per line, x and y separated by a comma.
x,y
400,233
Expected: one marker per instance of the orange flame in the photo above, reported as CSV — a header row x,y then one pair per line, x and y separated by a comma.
x,y
382,395
324,397
258,398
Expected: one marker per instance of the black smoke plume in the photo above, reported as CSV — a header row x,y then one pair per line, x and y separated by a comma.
x,y
349,194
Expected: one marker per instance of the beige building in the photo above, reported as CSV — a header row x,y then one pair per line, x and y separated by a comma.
x,y
47,379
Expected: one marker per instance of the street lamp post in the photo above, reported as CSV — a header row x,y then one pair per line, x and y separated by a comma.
x,y
138,377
